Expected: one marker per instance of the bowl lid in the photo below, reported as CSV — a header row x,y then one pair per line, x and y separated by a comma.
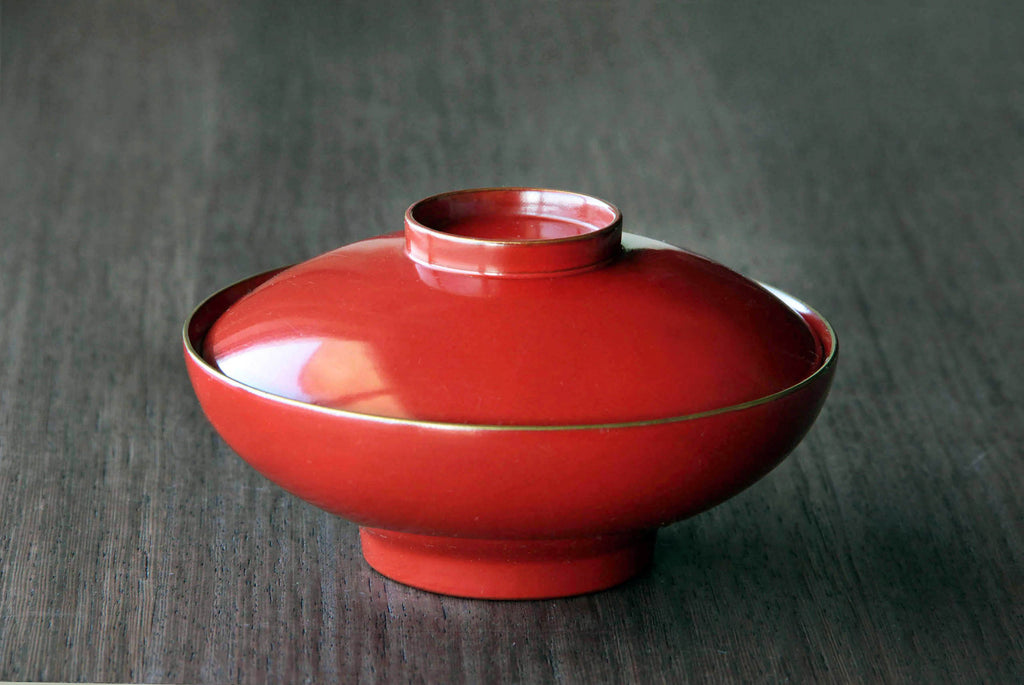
x,y
513,306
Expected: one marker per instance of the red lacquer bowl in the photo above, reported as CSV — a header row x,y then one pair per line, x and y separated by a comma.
x,y
511,396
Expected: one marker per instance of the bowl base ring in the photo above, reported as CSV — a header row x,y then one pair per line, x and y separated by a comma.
x,y
507,569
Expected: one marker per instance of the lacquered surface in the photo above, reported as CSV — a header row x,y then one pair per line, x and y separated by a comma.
x,y
512,233
656,332
512,214
512,395
495,482
510,568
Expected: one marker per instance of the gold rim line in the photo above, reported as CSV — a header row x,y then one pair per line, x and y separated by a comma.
x,y
782,296
615,223
513,275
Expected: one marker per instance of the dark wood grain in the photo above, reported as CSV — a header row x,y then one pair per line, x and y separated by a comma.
x,y
867,157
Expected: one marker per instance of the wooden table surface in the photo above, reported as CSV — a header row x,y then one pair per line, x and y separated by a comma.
x,y
867,157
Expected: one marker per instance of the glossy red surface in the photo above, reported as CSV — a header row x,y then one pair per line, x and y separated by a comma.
x,y
520,435
643,331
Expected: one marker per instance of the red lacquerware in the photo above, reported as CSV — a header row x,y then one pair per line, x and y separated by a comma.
x,y
511,396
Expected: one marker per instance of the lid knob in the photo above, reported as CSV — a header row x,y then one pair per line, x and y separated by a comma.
x,y
512,232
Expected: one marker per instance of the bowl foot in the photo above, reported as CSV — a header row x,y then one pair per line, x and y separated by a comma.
x,y
507,569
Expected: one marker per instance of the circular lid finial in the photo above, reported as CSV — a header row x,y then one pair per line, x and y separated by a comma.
x,y
512,232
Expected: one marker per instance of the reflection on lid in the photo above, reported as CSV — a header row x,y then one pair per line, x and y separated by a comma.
x,y
329,372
